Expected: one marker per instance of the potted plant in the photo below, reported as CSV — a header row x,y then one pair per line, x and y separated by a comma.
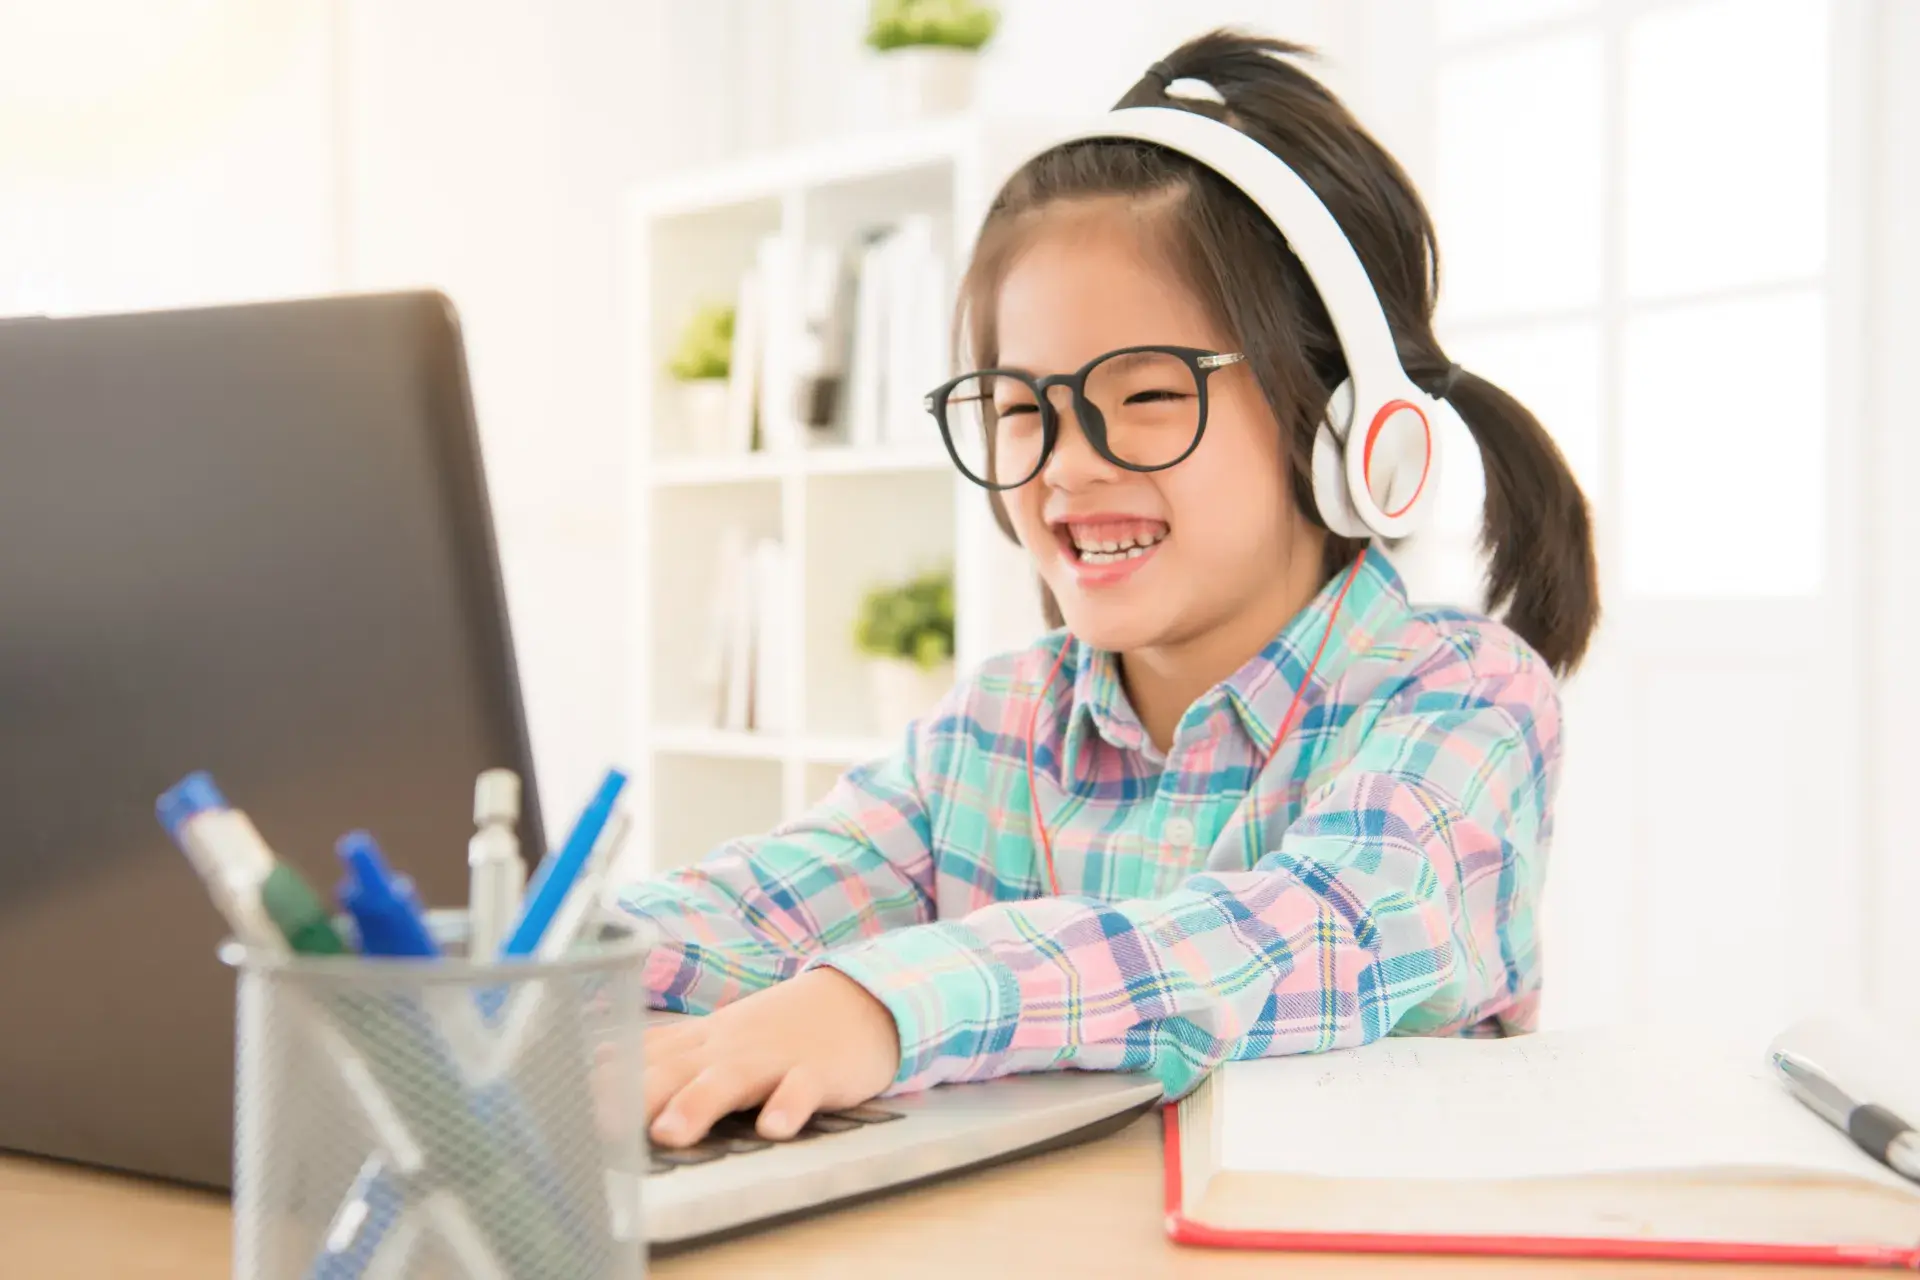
x,y
699,366
927,51
905,630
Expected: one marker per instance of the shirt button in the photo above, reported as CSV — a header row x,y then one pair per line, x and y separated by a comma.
x,y
1177,831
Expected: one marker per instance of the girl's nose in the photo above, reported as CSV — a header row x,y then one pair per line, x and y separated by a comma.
x,y
1074,461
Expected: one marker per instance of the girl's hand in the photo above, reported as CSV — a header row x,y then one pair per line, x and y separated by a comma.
x,y
814,1042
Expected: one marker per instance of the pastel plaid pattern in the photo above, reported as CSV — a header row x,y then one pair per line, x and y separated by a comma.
x,y
1380,875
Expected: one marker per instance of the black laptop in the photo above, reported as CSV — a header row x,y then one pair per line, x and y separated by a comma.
x,y
248,539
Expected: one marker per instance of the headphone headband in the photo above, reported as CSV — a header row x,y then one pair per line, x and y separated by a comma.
x,y
1322,247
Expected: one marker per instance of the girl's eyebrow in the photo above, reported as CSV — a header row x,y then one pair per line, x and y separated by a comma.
x,y
1133,357
1119,361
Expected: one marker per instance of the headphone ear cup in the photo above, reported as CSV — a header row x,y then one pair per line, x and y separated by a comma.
x,y
1330,493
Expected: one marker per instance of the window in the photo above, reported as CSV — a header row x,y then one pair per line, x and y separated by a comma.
x,y
1631,203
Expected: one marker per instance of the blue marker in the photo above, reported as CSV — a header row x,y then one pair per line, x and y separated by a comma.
x,y
556,875
383,905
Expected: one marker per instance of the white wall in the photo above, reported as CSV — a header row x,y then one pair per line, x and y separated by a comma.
x,y
487,143
1889,679
163,154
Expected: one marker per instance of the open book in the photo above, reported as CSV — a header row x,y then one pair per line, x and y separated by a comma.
x,y
1609,1143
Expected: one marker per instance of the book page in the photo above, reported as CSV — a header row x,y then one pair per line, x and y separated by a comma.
x,y
1543,1105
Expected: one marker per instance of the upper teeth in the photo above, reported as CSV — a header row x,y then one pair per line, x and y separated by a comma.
x,y
1096,550
1122,544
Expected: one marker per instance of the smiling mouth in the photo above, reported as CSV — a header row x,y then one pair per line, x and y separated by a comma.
x,y
1110,542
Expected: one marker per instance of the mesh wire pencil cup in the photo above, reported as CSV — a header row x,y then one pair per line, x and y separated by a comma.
x,y
440,1118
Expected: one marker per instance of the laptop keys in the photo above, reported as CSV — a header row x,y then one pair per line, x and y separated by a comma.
x,y
827,1122
734,1135
698,1153
735,1130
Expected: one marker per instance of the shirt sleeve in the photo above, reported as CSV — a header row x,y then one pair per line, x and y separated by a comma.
x,y
1401,898
750,913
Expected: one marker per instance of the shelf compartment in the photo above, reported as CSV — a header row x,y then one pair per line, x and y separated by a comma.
x,y
700,804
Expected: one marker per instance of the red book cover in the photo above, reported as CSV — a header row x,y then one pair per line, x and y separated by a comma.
x,y
1186,1231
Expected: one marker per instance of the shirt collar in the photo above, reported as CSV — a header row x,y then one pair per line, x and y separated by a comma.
x,y
1262,690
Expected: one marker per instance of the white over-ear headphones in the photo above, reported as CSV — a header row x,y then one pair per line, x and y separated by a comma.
x,y
1376,457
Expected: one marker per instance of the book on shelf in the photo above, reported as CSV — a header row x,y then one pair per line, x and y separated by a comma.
x,y
918,309
824,342
1607,1142
838,343
903,304
727,675
772,638
743,370
779,263
745,670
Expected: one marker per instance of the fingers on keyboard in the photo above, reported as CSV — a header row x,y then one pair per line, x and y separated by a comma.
x,y
734,1134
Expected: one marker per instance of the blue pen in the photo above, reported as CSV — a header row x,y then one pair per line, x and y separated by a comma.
x,y
383,905
557,873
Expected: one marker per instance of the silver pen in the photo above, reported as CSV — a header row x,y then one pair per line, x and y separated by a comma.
x,y
496,877
1874,1129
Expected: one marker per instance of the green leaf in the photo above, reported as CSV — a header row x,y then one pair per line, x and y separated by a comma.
x,y
911,620
953,24
706,345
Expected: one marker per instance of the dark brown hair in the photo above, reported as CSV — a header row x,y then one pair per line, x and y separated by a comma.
x,y
1536,527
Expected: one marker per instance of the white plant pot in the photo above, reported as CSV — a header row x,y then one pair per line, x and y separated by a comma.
x,y
904,692
701,410
922,82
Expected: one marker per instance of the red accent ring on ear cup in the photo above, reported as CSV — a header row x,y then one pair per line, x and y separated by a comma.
x,y
1387,410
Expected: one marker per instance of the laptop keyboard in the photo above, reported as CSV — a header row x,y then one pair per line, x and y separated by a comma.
x,y
733,1135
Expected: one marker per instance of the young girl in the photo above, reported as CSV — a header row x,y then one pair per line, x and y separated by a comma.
x,y
1249,801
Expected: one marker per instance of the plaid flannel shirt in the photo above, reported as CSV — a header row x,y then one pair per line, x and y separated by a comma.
x,y
1380,875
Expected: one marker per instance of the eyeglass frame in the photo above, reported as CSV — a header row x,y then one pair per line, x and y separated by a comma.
x,y
1093,424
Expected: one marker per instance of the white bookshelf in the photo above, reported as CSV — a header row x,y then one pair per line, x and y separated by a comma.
x,y
847,518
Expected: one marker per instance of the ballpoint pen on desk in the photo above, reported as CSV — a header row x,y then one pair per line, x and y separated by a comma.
x,y
227,850
384,908
548,889
229,855
582,902
497,876
583,899
1876,1130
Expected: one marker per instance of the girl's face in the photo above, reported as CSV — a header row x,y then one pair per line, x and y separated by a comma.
x,y
1211,545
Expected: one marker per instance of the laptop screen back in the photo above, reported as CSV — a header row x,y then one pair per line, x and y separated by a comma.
x,y
252,540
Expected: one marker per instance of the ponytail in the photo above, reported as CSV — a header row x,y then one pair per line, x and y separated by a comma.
x,y
1536,530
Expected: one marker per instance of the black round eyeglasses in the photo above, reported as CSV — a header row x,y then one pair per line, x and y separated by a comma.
x,y
1141,408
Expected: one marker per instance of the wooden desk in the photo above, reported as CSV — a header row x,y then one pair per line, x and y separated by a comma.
x,y
1090,1210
